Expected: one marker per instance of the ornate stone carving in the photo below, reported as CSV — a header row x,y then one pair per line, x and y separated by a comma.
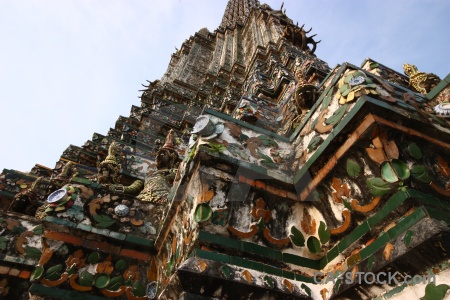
x,y
158,184
305,93
421,82
27,201
297,35
108,174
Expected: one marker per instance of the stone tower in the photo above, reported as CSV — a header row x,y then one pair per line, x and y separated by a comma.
x,y
251,170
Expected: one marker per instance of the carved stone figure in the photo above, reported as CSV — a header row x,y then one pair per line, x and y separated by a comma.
x,y
108,174
27,202
158,184
421,82
108,170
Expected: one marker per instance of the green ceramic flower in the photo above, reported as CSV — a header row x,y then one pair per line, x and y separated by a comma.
x,y
353,85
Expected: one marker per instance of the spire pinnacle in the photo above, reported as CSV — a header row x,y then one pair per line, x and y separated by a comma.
x,y
237,11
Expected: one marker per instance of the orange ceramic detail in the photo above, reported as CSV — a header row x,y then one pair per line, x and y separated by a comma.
x,y
247,276
289,285
137,222
259,211
445,192
364,208
347,218
244,235
388,251
202,265
340,190
21,240
320,120
273,240
308,223
443,167
24,274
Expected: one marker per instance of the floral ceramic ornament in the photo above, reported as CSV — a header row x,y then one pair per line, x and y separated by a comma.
x,y
442,110
208,127
353,85
61,199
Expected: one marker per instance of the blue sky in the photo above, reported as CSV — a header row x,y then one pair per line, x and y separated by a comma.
x,y
70,68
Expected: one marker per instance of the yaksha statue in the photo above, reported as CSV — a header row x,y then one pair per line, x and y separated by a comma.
x,y
158,184
108,174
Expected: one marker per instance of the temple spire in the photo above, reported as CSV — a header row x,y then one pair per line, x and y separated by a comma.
x,y
237,11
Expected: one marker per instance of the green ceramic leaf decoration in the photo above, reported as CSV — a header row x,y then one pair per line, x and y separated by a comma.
x,y
307,289
226,271
243,137
314,143
297,237
37,273
266,160
401,169
353,168
377,186
138,289
120,265
202,212
101,281
414,151
369,81
86,278
103,221
388,173
115,283
347,91
37,230
347,205
324,233
93,257
370,262
326,101
170,265
420,173
18,230
337,285
337,116
53,272
359,73
71,270
3,242
216,148
344,87
433,292
267,141
32,252
313,244
374,65
269,281
408,237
